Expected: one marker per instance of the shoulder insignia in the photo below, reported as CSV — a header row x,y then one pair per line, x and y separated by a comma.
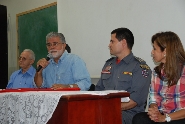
x,y
139,59
145,73
145,67
110,59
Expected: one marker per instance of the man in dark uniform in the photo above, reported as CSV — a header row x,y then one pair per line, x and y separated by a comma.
x,y
126,72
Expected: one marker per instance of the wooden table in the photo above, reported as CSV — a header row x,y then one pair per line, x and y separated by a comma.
x,y
89,109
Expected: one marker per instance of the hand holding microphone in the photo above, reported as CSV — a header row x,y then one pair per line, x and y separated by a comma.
x,y
42,63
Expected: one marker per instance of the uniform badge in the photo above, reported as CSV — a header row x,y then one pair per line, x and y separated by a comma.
x,y
144,73
107,70
145,70
145,66
129,73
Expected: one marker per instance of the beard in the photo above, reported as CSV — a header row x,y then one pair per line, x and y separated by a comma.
x,y
56,53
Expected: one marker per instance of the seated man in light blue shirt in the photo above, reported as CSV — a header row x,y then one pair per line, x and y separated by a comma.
x,y
63,70
23,78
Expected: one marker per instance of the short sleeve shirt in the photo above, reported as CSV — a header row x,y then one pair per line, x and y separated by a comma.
x,y
131,74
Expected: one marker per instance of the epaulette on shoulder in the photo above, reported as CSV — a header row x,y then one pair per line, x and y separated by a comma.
x,y
142,63
110,59
139,59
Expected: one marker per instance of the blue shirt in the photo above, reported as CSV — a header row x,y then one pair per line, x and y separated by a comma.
x,y
22,80
70,69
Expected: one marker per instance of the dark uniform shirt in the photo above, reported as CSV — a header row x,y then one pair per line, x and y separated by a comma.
x,y
131,74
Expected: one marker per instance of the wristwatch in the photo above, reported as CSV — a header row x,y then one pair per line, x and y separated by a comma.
x,y
71,86
168,119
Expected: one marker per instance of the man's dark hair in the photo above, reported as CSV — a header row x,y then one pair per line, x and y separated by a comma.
x,y
124,33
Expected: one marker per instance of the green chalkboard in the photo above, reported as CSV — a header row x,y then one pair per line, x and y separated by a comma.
x,y
33,26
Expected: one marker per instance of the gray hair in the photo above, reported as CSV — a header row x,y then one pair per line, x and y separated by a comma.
x,y
32,54
56,34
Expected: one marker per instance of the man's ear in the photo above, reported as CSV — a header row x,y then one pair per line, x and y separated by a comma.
x,y
124,42
65,45
32,61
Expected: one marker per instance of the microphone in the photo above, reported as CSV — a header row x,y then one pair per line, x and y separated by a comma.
x,y
49,56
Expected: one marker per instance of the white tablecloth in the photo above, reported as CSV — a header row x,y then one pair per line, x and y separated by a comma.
x,y
35,107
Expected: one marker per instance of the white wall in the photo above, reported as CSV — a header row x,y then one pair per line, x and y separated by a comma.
x,y
15,7
87,24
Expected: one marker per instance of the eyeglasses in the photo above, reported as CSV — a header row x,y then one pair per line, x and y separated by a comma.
x,y
23,58
54,44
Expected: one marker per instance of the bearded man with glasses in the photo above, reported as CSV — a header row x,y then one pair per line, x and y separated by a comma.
x,y
63,70
23,78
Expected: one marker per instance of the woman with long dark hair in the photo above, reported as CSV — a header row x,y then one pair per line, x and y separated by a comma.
x,y
167,90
